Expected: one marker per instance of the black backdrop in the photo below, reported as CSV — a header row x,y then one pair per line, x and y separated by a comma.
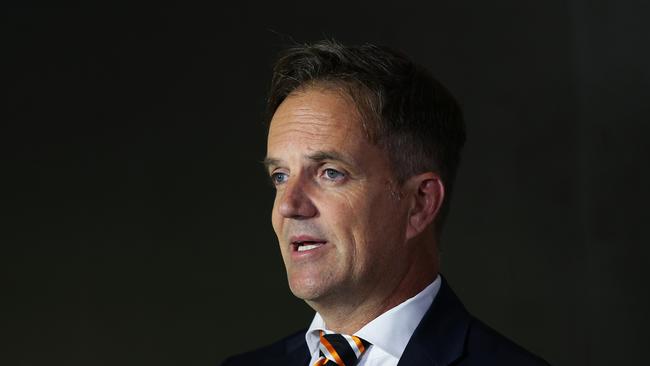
x,y
135,213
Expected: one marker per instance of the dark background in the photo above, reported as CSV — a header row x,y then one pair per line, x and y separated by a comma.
x,y
136,216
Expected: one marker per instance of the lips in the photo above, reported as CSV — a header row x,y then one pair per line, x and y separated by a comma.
x,y
303,247
304,243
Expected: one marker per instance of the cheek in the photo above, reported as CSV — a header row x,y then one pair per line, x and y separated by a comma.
x,y
385,222
354,218
276,218
339,217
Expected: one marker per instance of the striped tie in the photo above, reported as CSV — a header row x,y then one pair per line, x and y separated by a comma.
x,y
340,349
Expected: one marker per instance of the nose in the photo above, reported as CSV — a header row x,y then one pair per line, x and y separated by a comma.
x,y
295,202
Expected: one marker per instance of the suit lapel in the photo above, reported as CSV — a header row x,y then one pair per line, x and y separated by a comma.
x,y
297,352
440,337
292,351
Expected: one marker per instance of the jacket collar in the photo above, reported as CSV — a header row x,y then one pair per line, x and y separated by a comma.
x,y
297,350
440,337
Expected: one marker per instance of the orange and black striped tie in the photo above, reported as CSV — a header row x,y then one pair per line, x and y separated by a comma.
x,y
340,349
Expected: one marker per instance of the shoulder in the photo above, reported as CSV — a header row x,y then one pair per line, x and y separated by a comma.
x,y
485,346
449,334
277,353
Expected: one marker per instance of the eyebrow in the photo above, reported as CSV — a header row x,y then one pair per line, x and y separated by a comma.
x,y
317,156
320,156
269,162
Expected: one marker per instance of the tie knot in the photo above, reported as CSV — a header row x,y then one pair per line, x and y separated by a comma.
x,y
340,349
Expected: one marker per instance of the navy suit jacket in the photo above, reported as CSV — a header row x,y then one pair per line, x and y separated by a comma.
x,y
447,335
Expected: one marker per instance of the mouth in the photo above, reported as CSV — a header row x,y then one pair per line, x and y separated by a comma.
x,y
304,244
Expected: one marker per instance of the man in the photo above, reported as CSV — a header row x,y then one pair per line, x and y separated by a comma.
x,y
363,147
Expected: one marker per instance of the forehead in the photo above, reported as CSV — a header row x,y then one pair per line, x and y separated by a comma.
x,y
317,117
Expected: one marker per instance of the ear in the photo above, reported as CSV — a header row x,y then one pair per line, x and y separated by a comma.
x,y
428,193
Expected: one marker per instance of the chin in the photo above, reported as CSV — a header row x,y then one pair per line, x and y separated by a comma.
x,y
306,290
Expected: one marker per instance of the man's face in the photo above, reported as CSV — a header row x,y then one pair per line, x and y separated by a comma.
x,y
338,218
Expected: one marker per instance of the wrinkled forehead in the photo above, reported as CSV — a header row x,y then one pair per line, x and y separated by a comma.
x,y
361,100
316,114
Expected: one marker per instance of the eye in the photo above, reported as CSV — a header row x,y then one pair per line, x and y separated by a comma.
x,y
279,178
333,174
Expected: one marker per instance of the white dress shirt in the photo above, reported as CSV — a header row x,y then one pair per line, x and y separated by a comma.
x,y
388,334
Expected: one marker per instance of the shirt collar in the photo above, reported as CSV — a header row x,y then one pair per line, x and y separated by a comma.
x,y
392,330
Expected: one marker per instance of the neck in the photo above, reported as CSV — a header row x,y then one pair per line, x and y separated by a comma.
x,y
348,314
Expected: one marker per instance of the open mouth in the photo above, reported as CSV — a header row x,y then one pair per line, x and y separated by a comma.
x,y
307,245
